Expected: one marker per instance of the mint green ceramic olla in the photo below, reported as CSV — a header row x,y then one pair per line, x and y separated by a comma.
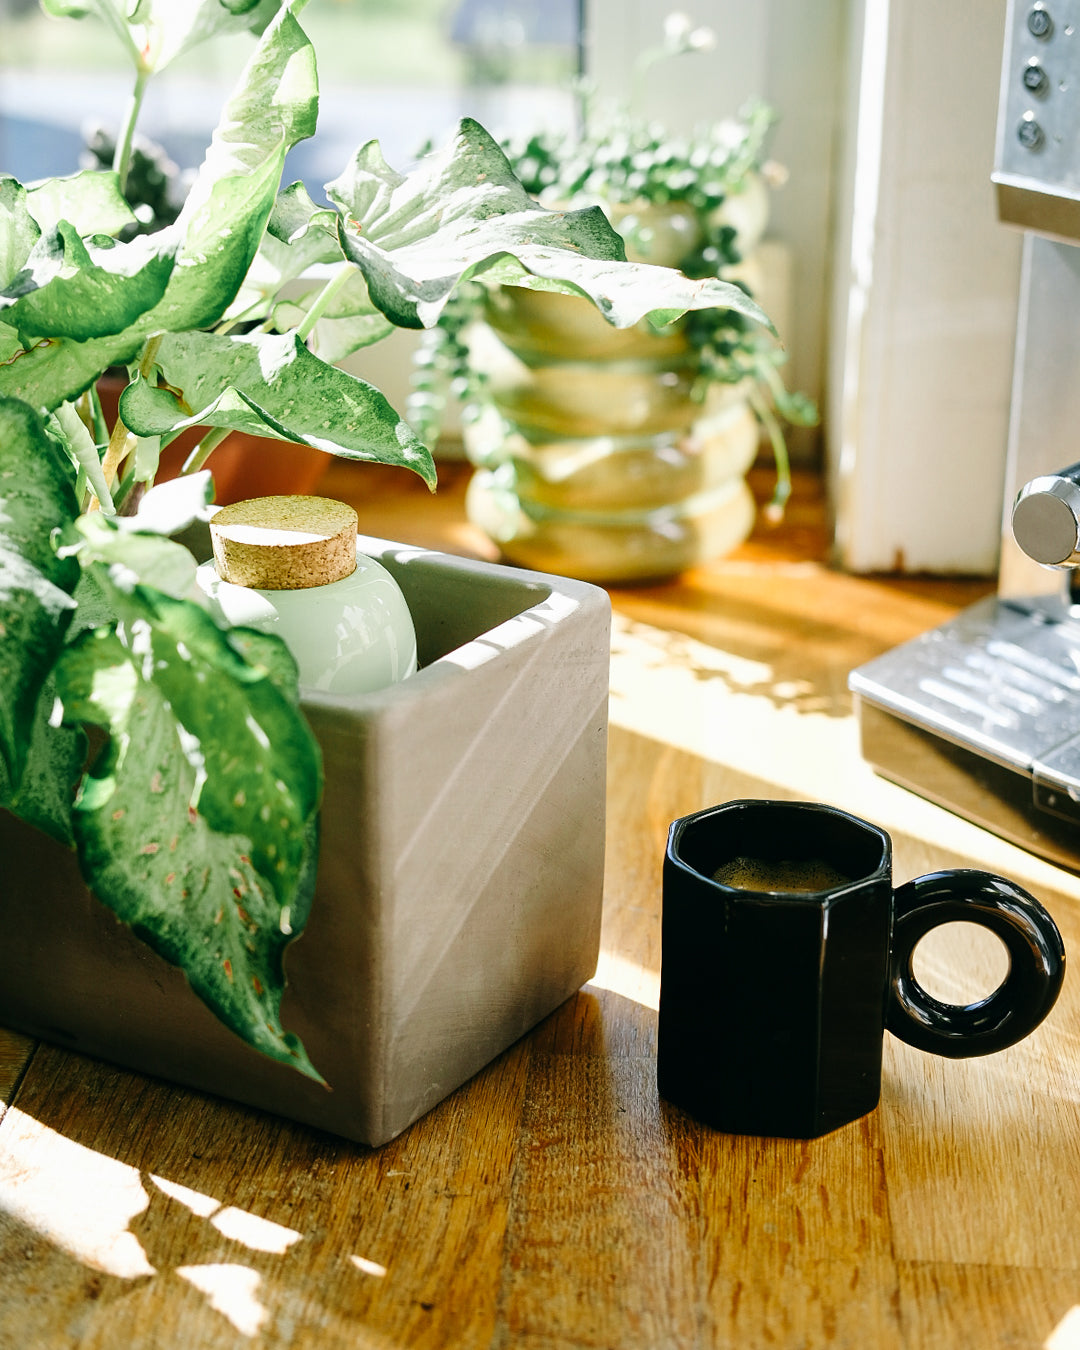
x,y
289,566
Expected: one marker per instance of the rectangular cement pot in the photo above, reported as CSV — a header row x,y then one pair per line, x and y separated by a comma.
x,y
459,885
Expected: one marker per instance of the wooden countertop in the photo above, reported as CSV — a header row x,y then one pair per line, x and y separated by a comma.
x,y
554,1201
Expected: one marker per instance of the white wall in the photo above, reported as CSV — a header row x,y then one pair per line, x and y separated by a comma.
x,y
925,293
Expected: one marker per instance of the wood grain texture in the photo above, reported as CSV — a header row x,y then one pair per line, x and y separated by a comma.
x,y
555,1202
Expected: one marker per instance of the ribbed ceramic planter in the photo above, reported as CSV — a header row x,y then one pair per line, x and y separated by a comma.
x,y
460,873
593,459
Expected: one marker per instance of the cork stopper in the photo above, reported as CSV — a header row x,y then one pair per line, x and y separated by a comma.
x,y
284,543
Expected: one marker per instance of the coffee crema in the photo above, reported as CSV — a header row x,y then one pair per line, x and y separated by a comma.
x,y
780,874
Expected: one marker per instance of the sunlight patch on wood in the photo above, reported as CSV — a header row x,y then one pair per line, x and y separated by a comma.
x,y
1066,1335
628,979
239,1225
232,1291
368,1267
80,1200
259,1234
726,710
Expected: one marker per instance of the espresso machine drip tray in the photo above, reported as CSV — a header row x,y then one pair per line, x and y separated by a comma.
x,y
982,715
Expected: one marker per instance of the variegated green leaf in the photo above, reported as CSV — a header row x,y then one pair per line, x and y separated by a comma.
x,y
349,322
36,498
93,288
58,370
19,231
463,213
196,824
273,107
625,293
150,559
54,765
156,32
271,385
90,200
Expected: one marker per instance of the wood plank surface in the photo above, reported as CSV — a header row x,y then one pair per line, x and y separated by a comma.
x,y
555,1201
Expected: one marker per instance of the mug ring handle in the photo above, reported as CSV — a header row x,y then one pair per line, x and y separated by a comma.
x,y
1021,1001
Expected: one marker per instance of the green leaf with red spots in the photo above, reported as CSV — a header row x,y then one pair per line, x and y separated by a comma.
x,y
196,823
36,584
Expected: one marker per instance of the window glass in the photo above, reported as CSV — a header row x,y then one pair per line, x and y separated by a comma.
x,y
401,71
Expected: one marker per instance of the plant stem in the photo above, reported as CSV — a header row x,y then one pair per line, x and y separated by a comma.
x,y
149,354
120,444
122,155
322,301
204,449
774,511
90,402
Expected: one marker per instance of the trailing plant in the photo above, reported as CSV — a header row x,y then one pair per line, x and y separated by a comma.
x,y
636,169
170,753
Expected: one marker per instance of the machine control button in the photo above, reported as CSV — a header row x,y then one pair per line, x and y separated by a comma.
x,y
1035,78
1039,22
1029,133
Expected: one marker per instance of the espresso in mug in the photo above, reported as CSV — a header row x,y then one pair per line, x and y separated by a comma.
x,y
780,874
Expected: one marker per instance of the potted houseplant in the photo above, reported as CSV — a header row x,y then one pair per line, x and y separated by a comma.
x,y
162,769
619,455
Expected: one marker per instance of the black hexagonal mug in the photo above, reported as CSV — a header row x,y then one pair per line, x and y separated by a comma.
x,y
787,953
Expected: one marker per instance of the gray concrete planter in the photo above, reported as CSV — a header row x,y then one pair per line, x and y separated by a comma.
x,y
460,875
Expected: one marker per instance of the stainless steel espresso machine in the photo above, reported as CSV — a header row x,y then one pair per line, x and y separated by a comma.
x,y
983,714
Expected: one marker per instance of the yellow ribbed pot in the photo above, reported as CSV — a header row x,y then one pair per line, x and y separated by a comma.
x,y
592,458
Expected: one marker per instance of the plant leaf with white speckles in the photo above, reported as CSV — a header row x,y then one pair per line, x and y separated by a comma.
x,y
274,106
75,288
270,385
19,231
52,770
462,213
36,585
196,824
156,32
90,199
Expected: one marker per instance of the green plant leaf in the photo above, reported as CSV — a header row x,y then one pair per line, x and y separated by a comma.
x,y
462,213
273,107
58,370
270,385
625,293
9,343
90,200
196,823
148,558
416,237
300,222
36,586
156,32
80,289
67,9
19,231
53,767
348,323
